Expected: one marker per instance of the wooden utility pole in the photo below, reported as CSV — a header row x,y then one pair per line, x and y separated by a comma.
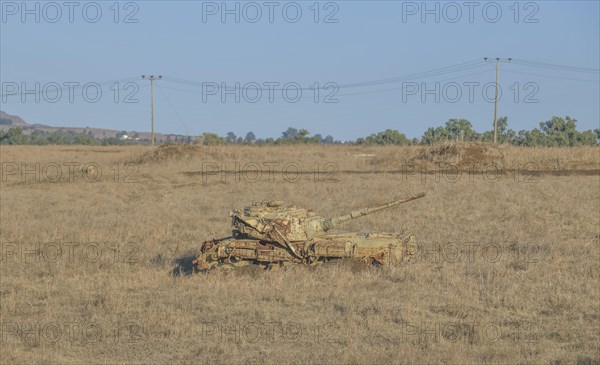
x,y
152,78
498,60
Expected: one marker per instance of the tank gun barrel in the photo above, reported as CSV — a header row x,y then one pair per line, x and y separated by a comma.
x,y
335,221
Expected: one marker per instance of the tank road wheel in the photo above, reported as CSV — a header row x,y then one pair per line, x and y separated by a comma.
x,y
234,263
205,263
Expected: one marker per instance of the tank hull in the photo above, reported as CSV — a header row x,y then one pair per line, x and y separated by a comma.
x,y
378,249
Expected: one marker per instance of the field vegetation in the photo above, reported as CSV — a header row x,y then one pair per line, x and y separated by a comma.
x,y
96,264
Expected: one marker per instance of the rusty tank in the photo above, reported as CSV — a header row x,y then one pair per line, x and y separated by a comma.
x,y
273,235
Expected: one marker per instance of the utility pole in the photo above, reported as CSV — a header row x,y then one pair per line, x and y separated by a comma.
x,y
498,60
152,78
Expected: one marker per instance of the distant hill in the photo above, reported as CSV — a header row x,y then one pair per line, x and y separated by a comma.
x,y
11,120
8,121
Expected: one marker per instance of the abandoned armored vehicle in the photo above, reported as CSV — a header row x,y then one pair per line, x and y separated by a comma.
x,y
272,235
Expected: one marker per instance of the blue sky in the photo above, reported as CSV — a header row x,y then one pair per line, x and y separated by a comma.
x,y
351,42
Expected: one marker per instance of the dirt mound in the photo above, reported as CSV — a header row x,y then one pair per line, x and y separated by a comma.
x,y
174,152
461,154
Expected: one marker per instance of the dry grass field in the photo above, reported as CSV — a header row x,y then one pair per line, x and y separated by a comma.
x,y
96,268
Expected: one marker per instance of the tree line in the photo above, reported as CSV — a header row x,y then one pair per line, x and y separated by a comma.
x,y
556,132
16,136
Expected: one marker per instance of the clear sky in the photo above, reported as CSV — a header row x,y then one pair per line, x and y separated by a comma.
x,y
377,56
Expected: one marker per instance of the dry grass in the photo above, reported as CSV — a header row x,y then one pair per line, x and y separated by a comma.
x,y
507,271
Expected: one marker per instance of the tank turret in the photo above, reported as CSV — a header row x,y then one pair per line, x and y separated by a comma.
x,y
270,221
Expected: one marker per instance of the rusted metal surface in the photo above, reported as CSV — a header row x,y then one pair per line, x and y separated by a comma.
x,y
268,234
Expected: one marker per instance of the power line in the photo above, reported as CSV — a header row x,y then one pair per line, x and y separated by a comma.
x,y
441,71
397,88
178,89
400,88
554,66
465,66
175,110
550,76
344,94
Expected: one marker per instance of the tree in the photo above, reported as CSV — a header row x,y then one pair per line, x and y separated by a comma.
x,y
460,130
302,134
521,138
508,136
13,136
84,140
38,137
210,139
250,138
502,125
231,137
434,135
505,135
587,138
536,138
487,136
58,137
388,136
290,134
555,131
